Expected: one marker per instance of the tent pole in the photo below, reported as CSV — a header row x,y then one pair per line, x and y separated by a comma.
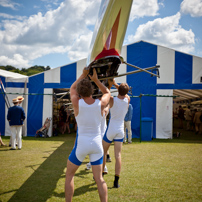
x,y
140,117
5,97
3,94
144,70
128,73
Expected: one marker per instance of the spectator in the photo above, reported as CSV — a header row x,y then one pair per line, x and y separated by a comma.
x,y
192,119
62,119
67,121
197,122
181,117
20,99
16,116
188,117
127,125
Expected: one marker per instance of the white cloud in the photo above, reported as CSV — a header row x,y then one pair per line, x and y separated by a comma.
x,y
15,61
167,32
9,4
57,31
141,8
80,47
16,17
192,7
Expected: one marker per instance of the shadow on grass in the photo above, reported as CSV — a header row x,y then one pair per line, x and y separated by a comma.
x,y
81,174
84,189
41,184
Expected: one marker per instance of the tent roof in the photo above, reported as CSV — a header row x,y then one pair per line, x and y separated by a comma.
x,y
7,74
187,95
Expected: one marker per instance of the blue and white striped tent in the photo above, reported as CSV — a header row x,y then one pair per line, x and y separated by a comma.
x,y
177,71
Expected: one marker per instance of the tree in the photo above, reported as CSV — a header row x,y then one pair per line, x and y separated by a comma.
x,y
29,71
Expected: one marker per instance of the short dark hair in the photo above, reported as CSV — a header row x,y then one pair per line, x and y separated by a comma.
x,y
84,88
123,89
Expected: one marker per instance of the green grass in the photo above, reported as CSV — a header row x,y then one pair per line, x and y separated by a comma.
x,y
160,170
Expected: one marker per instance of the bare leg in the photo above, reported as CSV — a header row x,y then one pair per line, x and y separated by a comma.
x,y
101,184
117,153
61,127
1,142
106,146
108,159
69,182
65,127
68,128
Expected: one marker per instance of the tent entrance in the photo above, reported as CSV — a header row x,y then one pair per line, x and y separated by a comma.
x,y
193,99
63,113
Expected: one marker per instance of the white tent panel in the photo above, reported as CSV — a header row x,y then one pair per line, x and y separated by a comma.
x,y
47,108
122,68
6,74
52,76
79,67
166,60
17,80
25,107
197,70
164,110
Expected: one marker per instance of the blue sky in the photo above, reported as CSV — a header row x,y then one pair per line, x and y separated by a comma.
x,y
58,32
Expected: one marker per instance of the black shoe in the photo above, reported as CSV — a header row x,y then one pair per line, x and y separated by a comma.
x,y
108,159
116,184
19,148
12,149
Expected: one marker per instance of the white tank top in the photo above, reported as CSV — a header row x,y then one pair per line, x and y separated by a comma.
x,y
103,125
119,110
89,118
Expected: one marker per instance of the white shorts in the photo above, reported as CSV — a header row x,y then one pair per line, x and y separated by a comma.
x,y
85,145
115,132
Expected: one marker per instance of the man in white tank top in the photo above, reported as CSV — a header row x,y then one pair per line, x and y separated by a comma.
x,y
103,129
88,113
115,131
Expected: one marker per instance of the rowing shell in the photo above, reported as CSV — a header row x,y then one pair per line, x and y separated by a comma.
x,y
108,36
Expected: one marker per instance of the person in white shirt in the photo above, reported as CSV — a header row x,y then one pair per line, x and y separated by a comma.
x,y
115,131
88,113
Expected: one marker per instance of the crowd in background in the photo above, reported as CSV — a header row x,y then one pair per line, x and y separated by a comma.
x,y
192,117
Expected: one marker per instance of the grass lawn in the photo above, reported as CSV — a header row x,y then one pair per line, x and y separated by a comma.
x,y
160,170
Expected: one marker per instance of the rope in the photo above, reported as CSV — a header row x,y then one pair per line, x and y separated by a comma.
x,y
133,96
151,95
27,93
